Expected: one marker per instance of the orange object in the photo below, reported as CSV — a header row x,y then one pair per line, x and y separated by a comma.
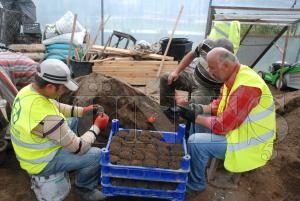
x,y
152,118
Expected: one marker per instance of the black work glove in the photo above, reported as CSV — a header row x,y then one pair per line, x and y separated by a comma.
x,y
197,108
187,114
192,112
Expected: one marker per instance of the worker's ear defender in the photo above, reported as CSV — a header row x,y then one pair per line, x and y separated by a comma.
x,y
205,47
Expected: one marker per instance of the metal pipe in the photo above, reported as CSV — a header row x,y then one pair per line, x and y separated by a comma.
x,y
209,19
102,20
246,33
269,46
283,56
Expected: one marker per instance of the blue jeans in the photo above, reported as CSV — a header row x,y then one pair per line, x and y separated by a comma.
x,y
202,147
197,128
86,165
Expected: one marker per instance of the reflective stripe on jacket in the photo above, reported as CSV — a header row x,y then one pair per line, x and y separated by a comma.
x,y
32,151
251,144
229,30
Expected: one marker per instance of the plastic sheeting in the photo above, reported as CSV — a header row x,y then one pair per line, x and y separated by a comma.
x,y
26,7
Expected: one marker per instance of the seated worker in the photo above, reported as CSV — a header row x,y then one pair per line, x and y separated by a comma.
x,y
201,87
42,140
243,121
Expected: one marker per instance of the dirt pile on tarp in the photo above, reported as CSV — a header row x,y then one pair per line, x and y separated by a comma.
x,y
120,100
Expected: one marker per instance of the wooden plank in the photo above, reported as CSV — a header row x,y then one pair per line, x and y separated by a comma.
x,y
28,47
113,50
135,62
256,8
129,74
129,53
38,56
129,68
133,72
157,56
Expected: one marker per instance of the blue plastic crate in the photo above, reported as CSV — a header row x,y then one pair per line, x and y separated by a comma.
x,y
173,195
178,176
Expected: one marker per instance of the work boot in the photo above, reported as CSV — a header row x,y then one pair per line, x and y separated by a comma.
x,y
90,195
192,195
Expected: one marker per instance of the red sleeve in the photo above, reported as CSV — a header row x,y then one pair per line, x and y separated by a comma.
x,y
241,102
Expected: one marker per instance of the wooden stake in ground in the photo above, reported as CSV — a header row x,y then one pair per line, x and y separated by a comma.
x,y
169,42
154,84
101,25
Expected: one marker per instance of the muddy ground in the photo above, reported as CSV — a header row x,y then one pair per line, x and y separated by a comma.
x,y
279,180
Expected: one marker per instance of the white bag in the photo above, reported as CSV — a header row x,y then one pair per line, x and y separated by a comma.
x,y
65,24
65,38
62,26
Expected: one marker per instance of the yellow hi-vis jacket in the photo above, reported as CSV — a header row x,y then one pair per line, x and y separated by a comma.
x,y
229,30
32,151
251,144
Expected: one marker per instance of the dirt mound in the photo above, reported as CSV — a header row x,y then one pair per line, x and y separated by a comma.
x,y
286,101
120,100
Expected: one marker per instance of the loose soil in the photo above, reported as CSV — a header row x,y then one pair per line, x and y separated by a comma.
x,y
142,148
279,180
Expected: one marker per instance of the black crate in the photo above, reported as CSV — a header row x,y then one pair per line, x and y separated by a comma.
x,y
28,39
33,28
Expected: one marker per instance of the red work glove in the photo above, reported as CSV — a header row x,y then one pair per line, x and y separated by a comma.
x,y
153,118
101,121
92,108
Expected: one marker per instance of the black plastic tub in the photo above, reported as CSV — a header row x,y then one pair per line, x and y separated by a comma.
x,y
80,68
179,47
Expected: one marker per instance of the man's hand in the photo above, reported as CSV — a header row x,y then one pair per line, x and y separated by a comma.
x,y
173,76
191,113
92,109
197,108
101,121
187,114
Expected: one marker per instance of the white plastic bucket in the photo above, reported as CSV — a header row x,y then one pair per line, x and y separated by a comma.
x,y
55,187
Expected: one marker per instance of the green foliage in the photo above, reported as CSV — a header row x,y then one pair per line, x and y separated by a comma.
x,y
266,30
261,30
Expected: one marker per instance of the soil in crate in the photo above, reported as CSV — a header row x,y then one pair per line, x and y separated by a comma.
x,y
143,184
146,149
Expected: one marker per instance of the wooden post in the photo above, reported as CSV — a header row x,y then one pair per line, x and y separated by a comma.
x,y
283,57
169,42
101,25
